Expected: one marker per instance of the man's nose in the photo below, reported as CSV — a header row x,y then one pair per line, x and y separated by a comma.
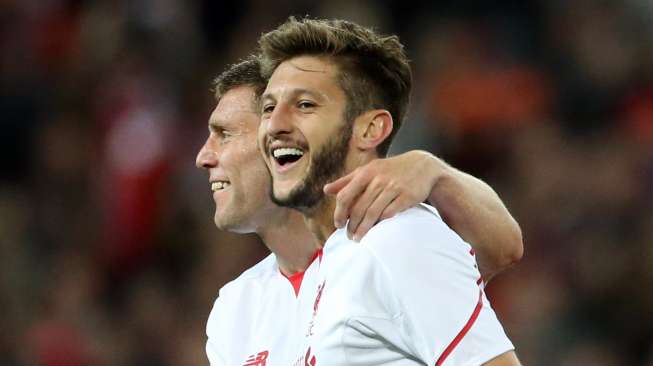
x,y
206,157
279,122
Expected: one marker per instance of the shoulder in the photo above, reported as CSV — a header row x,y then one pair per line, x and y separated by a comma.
x,y
248,286
417,245
260,271
253,276
247,283
414,220
264,268
418,228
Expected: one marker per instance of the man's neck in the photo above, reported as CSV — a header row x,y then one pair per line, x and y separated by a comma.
x,y
287,236
319,220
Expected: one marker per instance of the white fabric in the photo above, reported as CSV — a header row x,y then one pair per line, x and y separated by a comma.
x,y
399,297
255,313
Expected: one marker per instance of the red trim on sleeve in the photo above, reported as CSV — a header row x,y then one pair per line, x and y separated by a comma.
x,y
463,331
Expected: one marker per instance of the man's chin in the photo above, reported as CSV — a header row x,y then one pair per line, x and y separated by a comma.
x,y
234,226
220,223
224,222
282,196
282,200
301,198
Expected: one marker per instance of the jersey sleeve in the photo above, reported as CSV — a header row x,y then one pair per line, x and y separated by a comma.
x,y
215,331
436,290
213,354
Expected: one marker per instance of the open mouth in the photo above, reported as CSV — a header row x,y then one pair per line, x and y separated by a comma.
x,y
286,156
219,185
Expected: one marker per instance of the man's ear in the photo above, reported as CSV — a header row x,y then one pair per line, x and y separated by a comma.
x,y
372,128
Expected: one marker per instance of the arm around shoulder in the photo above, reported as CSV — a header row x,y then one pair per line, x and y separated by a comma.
x,y
385,187
475,211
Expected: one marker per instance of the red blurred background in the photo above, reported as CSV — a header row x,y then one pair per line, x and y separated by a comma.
x,y
108,253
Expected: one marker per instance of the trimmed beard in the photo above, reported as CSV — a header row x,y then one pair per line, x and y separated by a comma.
x,y
326,165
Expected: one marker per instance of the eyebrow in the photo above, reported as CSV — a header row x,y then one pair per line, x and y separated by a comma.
x,y
294,93
222,123
218,125
215,123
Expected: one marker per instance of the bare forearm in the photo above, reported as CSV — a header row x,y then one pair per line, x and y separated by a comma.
x,y
474,210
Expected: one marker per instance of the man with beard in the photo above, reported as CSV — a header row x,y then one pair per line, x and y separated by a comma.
x,y
252,317
410,293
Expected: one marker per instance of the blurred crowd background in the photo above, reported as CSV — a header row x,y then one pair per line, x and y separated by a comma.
x,y
108,252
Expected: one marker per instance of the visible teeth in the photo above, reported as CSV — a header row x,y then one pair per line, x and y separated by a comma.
x,y
283,151
216,186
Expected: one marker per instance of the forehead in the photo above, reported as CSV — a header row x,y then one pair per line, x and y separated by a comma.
x,y
236,106
316,74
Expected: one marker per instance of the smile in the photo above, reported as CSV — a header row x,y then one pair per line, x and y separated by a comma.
x,y
287,155
219,185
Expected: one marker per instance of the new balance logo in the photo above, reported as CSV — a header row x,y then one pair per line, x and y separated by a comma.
x,y
257,360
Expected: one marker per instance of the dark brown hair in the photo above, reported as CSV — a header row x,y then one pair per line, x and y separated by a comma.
x,y
247,72
374,72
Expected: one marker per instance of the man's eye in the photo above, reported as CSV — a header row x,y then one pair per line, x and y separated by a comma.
x,y
268,108
226,135
220,133
305,104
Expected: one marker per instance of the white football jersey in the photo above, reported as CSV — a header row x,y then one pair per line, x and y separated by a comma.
x,y
256,317
408,294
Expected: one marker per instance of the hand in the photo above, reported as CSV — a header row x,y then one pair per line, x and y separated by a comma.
x,y
383,188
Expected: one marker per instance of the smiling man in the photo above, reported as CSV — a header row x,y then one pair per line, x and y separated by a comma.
x,y
410,293
254,320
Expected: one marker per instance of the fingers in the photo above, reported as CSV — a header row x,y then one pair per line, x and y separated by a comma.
x,y
338,184
373,213
360,208
347,196
398,205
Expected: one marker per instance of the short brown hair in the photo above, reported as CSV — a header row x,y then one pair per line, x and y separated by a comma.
x,y
247,72
374,72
